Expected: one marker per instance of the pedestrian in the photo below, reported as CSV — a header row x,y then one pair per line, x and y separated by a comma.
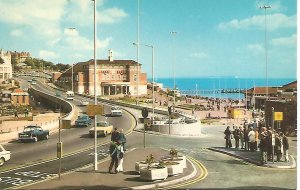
x,y
114,157
269,144
122,138
285,143
26,112
278,147
246,138
251,137
115,135
256,138
120,149
227,133
193,111
263,145
236,135
242,137
16,114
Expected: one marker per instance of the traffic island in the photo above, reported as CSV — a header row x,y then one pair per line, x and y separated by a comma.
x,y
88,179
254,157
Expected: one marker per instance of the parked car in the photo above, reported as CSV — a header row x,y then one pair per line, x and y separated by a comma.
x,y
33,133
103,128
4,155
33,82
116,111
83,120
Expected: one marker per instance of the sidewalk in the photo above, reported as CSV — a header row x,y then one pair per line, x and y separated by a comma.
x,y
86,178
254,157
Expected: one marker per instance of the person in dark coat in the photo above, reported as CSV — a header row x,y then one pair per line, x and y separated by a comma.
x,y
227,133
278,147
113,151
115,135
263,145
286,146
236,135
246,139
269,144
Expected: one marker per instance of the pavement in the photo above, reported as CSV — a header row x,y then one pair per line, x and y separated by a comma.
x,y
87,178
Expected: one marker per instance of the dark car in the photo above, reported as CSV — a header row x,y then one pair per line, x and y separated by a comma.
x,y
83,120
33,133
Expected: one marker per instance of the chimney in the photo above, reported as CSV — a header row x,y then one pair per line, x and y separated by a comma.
x,y
110,56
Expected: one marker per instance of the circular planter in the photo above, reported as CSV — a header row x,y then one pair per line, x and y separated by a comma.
x,y
141,164
174,168
180,159
153,173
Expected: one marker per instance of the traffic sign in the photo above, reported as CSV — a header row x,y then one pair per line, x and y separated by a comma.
x,y
92,110
278,116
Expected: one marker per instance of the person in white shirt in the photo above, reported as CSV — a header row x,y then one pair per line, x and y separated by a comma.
x,y
120,149
251,137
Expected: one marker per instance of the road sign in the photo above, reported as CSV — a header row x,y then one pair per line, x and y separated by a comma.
x,y
144,112
92,110
278,116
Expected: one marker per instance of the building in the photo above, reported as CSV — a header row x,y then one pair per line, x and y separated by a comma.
x,y
19,57
256,96
19,97
114,77
5,66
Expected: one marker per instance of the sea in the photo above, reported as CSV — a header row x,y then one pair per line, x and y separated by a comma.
x,y
206,87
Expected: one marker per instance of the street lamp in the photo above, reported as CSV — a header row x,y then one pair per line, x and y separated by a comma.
x,y
150,46
95,89
173,33
72,29
266,50
138,49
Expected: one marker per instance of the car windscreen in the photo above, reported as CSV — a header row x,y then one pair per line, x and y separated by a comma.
x,y
27,129
102,124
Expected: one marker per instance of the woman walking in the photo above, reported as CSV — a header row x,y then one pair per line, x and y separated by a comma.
x,y
120,149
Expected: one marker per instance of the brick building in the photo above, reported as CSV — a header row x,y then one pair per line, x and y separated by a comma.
x,y
115,77
19,97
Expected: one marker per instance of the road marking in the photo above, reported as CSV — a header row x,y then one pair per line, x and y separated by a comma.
x,y
203,175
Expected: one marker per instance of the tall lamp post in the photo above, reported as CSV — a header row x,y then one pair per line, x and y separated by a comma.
x,y
72,29
266,48
150,46
95,89
138,49
173,33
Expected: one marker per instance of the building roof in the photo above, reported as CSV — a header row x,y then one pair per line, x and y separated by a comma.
x,y
262,90
290,85
19,92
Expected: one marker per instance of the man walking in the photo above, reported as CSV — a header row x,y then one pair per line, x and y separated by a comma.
x,y
251,137
286,146
115,135
114,157
236,135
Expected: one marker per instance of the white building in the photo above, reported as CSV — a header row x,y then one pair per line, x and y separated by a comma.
x,y
5,67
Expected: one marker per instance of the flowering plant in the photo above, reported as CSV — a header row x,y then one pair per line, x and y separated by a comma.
x,y
173,152
149,160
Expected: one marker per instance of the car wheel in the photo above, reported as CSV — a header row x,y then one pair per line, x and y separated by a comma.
x,y
1,161
47,137
35,139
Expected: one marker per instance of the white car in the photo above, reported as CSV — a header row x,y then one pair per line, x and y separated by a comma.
x,y
116,111
84,102
4,155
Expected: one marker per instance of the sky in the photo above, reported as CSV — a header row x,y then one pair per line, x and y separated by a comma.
x,y
214,38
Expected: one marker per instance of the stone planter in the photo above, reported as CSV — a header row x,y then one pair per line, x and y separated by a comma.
x,y
174,168
180,159
153,173
141,164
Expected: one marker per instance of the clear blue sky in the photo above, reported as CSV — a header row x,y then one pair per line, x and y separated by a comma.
x,y
214,37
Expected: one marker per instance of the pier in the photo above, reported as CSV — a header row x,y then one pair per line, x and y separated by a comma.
x,y
215,91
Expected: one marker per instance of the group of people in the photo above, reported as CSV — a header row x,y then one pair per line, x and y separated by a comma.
x,y
117,150
251,138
